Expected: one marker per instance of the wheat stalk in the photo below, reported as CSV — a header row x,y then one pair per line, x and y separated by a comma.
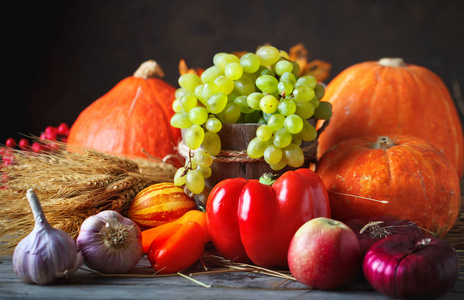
x,y
71,186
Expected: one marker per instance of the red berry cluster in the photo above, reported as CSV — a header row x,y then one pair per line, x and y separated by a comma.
x,y
44,143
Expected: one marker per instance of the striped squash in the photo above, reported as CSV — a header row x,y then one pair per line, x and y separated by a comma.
x,y
158,204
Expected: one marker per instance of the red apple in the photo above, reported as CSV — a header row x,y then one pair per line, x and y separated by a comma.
x,y
324,254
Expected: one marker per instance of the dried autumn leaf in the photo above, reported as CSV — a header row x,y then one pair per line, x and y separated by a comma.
x,y
183,69
319,69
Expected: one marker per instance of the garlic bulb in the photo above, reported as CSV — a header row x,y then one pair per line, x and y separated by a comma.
x,y
46,253
110,243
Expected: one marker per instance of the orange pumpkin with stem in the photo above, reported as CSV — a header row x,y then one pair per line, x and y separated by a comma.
x,y
398,176
391,97
132,119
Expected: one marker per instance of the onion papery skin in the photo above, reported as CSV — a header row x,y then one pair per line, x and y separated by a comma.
x,y
400,268
389,226
102,256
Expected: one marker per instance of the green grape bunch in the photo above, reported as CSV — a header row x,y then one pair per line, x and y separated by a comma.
x,y
261,87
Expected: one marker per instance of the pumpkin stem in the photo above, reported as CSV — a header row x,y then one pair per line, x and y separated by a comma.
x,y
392,62
383,142
149,69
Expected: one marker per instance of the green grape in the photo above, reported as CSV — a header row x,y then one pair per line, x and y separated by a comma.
x,y
323,111
253,100
293,124
268,55
250,62
209,89
224,84
203,158
231,97
234,70
297,141
181,120
223,59
307,80
176,107
267,83
276,122
280,165
188,101
304,109
265,71
303,93
282,138
294,155
284,54
256,148
268,104
287,107
296,68
262,121
243,104
206,172
194,136
308,133
244,86
252,117
264,132
189,81
267,116
217,102
195,181
213,125
212,143
272,154
315,101
288,77
319,90
179,176
230,114
198,115
198,93
211,73
285,88
283,66
180,92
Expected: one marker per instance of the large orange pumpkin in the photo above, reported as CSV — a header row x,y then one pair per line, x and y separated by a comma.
x,y
132,119
390,97
399,176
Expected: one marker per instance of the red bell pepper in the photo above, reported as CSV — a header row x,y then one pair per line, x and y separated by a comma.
x,y
251,221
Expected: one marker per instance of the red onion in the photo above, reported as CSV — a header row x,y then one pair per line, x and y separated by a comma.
x,y
371,229
411,267
110,243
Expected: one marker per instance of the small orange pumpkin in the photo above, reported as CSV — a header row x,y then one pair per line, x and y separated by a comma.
x,y
398,176
132,119
391,97
158,204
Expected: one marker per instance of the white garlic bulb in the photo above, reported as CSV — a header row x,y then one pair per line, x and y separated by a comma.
x,y
46,253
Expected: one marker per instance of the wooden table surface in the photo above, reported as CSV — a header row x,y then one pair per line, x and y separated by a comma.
x,y
230,285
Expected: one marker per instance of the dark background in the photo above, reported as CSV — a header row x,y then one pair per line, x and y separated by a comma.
x,y
63,55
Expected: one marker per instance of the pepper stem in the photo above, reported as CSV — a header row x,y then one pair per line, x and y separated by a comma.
x,y
268,178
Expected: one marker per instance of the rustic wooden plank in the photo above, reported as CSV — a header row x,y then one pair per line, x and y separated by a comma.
x,y
231,285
